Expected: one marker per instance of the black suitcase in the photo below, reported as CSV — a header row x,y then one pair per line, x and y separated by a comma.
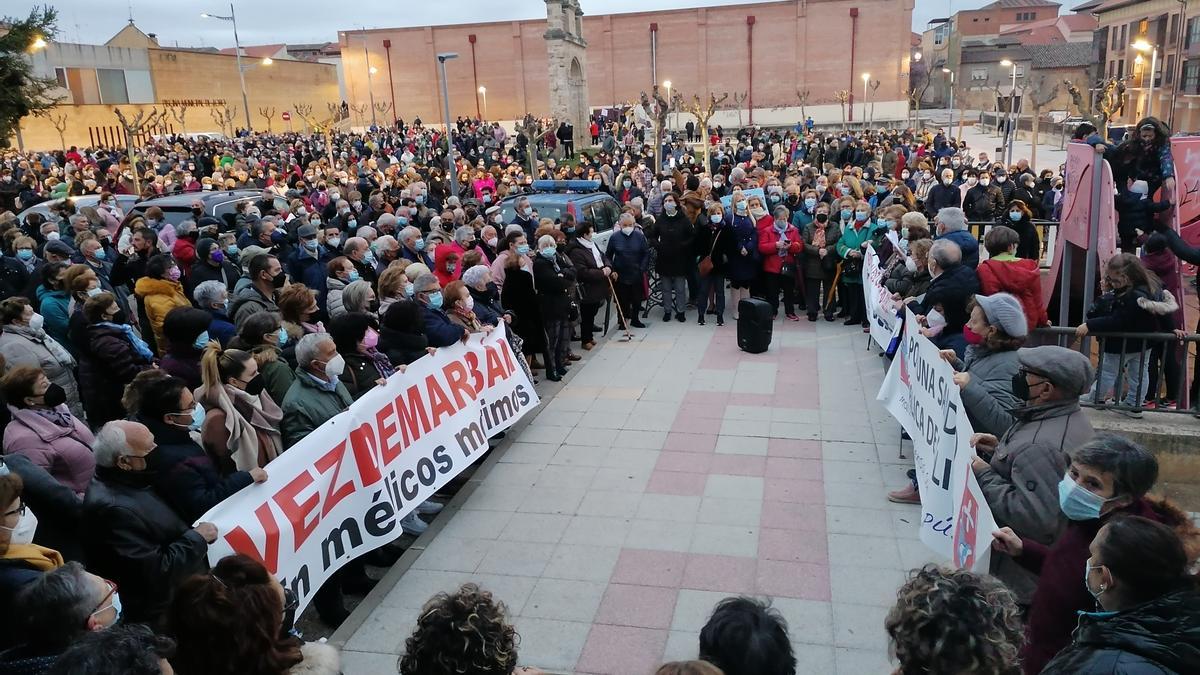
x,y
754,325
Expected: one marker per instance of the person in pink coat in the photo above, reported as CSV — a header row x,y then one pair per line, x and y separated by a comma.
x,y
44,430
779,243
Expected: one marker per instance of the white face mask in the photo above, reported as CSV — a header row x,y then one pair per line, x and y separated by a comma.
x,y
335,367
627,230
36,321
911,265
23,532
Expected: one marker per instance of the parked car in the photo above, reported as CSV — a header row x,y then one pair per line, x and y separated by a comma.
x,y
50,206
177,207
581,198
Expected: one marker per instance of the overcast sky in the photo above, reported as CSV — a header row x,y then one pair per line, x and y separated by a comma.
x,y
297,21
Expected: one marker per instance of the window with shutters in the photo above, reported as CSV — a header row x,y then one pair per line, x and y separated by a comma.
x,y
1169,70
1191,77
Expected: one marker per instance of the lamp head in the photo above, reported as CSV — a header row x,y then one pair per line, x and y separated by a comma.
x,y
1006,63
372,70
947,71
267,61
483,90
446,56
1142,46
667,84
38,43
866,77
917,57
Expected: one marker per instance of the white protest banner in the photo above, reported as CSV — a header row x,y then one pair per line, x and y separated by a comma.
x,y
881,314
343,489
919,391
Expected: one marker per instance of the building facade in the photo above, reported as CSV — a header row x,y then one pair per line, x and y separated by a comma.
x,y
132,72
767,51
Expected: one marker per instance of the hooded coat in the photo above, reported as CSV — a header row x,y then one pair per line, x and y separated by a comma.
x,y
1022,278
160,296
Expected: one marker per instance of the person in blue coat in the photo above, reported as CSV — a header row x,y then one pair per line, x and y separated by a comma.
x,y
439,330
743,265
630,253
952,225
307,263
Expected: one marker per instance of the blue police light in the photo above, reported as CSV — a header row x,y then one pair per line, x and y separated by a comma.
x,y
566,185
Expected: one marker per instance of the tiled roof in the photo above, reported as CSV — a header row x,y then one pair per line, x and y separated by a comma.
x,y
1004,4
256,51
1060,55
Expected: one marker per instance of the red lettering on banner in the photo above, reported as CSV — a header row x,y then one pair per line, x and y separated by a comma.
x,y
240,541
439,403
411,412
495,367
366,454
508,357
473,368
336,493
383,420
295,512
456,374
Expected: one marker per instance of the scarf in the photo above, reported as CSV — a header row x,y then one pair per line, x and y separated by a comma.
x,y
39,336
818,239
38,557
244,422
382,363
591,246
781,230
136,340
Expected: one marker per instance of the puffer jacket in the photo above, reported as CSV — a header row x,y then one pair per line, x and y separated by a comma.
x,y
186,477
333,297
768,237
1021,480
64,451
160,296
23,346
671,237
110,363
630,254
1020,277
988,396
248,301
1159,637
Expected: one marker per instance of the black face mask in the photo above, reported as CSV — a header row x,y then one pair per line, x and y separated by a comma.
x,y
822,217
54,396
279,280
374,306
197,212
255,385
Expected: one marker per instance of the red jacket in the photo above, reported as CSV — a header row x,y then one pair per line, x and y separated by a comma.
x,y
768,237
184,252
1019,277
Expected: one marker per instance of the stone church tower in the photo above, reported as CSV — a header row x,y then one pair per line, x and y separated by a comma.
x,y
566,52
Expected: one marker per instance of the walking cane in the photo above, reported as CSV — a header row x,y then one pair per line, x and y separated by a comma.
x,y
628,336
833,287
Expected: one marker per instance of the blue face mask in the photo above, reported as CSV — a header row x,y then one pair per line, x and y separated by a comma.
x,y
1077,502
810,203
197,418
409,289
283,336
311,244
435,299
862,215
24,254
401,221
548,252
880,189
352,224
523,249
232,249
354,276
201,340
419,245
1015,216
100,254
847,214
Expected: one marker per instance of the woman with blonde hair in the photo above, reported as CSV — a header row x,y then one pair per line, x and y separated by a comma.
x,y
393,285
241,420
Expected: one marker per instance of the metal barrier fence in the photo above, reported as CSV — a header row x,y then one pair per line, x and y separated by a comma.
x,y
1154,372
1047,233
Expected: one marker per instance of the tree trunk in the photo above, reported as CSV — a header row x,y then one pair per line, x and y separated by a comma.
x,y
704,139
1034,140
532,154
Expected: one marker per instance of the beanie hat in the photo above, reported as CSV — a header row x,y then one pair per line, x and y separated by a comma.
x,y
1004,311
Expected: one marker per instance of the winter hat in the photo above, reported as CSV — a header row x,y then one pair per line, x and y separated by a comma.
x,y
1004,310
1066,368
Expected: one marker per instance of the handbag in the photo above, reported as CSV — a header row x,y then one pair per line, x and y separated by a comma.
x,y
706,263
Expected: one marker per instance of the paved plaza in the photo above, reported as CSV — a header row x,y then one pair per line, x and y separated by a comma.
x,y
666,474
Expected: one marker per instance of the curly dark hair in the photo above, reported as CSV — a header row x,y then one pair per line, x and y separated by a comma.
x,y
954,621
466,632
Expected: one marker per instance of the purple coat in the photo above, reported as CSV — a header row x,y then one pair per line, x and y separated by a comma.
x,y
64,452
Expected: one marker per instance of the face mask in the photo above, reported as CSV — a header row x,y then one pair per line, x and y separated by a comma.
x,y
1001,179
420,199
450,267
1078,503
283,336
523,249
627,230
335,367
370,339
93,292
904,175
822,217
972,181
469,303
311,244
846,214
669,207
716,218
100,254
436,299
197,212
24,254
548,252
173,274
971,336
52,236
55,396
255,385
927,175
910,265
861,215
36,321
232,249
528,211
948,180
810,203
409,289
986,182
1087,571
197,416
492,242
22,533
352,224
419,245
356,205
881,189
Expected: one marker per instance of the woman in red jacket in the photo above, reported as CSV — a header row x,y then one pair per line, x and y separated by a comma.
x,y
779,243
1004,272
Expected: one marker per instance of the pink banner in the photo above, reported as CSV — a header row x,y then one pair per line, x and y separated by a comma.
x,y
1186,153
1076,214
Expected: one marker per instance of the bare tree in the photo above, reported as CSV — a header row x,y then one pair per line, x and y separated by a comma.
x,y
662,110
179,114
920,84
359,110
60,125
1039,96
802,98
996,95
703,114
304,110
224,117
739,97
383,108
533,128
140,122
268,114
874,85
842,96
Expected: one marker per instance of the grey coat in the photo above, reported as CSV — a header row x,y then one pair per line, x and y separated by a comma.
x,y
988,396
22,346
1022,477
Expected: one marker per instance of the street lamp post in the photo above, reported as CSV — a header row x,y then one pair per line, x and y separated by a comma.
x,y
371,70
232,18
1012,109
442,58
950,125
866,77
483,93
667,84
1143,46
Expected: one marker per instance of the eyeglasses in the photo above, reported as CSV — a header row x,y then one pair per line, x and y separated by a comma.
x,y
19,511
112,590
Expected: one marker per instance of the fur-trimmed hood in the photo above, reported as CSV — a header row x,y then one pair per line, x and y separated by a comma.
x,y
1166,304
319,659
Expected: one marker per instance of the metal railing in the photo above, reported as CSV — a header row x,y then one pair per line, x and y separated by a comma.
x,y
1164,365
1047,233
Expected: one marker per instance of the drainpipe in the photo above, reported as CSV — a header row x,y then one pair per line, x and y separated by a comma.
x,y
853,38
750,61
653,55
387,48
474,75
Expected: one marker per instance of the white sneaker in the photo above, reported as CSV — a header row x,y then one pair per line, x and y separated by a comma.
x,y
412,524
429,508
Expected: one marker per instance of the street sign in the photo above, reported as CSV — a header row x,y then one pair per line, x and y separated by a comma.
x,y
287,116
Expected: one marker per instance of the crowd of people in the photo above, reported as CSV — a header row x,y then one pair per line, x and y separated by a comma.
x,y
154,365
